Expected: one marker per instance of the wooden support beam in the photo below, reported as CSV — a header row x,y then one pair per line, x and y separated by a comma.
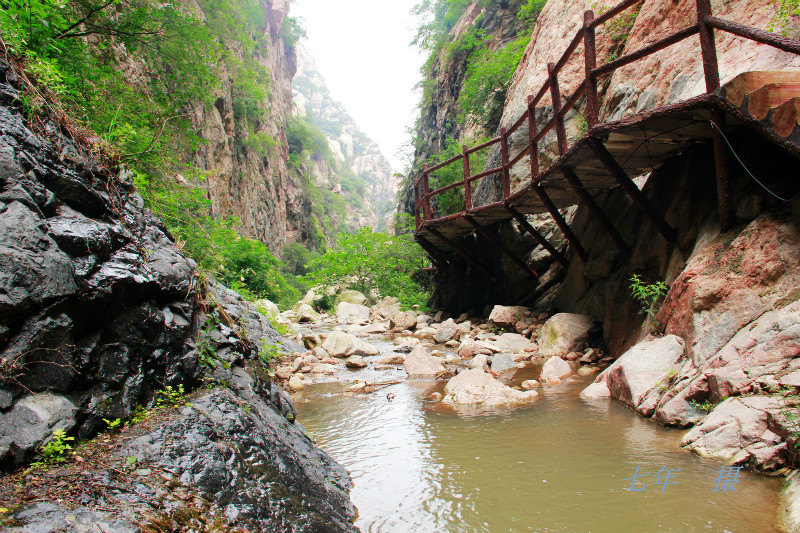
x,y
560,222
427,214
631,189
534,146
497,244
459,251
525,225
724,195
436,255
598,213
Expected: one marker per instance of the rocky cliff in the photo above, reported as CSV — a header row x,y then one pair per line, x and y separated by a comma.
x,y
356,158
102,317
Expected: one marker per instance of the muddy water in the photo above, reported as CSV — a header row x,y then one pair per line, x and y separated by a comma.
x,y
558,465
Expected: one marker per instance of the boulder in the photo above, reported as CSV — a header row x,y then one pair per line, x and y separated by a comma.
x,y
306,313
789,510
507,316
480,361
324,368
385,308
402,321
350,312
476,387
296,382
564,333
470,347
266,308
355,362
646,366
311,340
31,422
554,369
529,384
340,344
514,343
596,390
349,296
424,320
393,358
737,432
446,331
502,362
420,363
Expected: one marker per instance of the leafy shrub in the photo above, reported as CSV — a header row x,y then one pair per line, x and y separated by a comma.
x,y
56,449
648,295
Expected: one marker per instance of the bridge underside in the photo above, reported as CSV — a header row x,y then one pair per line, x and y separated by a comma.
x,y
611,153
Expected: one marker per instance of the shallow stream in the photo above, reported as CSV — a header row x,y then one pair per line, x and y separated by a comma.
x,y
559,464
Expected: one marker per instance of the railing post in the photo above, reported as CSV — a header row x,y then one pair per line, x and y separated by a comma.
x,y
590,58
426,201
506,176
534,148
417,205
467,186
555,93
711,71
708,47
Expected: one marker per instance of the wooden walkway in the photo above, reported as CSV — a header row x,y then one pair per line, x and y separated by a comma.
x,y
609,154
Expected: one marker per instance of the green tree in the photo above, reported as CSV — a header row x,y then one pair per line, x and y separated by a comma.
x,y
370,261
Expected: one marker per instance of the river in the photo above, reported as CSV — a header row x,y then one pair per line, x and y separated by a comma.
x,y
559,465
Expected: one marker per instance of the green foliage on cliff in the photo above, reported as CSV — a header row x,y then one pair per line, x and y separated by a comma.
x,y
370,261
241,263
787,16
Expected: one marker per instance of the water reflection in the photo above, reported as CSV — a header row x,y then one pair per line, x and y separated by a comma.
x,y
557,465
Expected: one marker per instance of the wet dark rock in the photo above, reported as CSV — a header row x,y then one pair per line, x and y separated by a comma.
x,y
99,310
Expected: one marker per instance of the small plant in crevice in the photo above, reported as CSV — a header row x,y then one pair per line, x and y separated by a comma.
x,y
706,405
648,295
170,396
206,349
668,381
55,451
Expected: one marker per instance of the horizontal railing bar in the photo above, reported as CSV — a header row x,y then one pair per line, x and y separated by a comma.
x,y
519,156
517,124
647,50
445,163
485,173
484,145
613,12
443,189
786,44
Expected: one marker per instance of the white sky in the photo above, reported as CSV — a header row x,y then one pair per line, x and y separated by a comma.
x,y
362,49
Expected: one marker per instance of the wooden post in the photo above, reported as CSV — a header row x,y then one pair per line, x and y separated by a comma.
x,y
534,146
599,215
467,186
560,222
590,59
724,196
500,247
525,225
555,93
506,177
707,46
426,201
417,205
631,189
711,71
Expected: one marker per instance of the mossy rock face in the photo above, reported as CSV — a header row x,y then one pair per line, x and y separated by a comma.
x,y
350,296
